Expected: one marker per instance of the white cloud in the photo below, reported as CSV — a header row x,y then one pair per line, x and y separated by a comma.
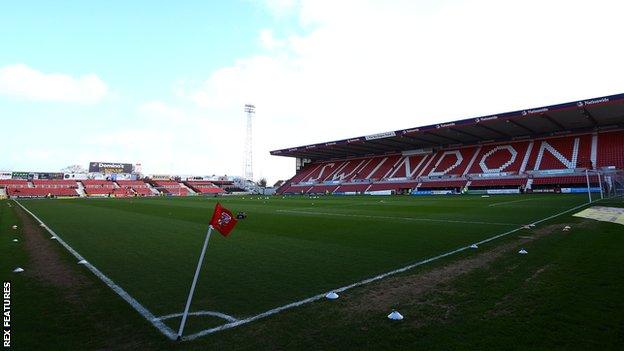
x,y
268,40
280,7
23,82
160,111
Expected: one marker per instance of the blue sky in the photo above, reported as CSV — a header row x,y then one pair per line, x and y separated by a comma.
x,y
139,49
164,83
126,41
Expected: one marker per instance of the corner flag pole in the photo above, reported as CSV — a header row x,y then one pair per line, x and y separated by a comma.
x,y
190,297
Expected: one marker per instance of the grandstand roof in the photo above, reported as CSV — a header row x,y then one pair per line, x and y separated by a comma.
x,y
592,114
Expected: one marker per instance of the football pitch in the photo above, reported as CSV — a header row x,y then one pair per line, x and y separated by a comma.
x,y
289,249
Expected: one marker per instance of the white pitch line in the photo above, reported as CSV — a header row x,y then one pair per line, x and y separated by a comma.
x,y
363,282
168,332
508,202
199,313
390,217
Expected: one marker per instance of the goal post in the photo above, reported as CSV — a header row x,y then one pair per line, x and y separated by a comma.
x,y
610,182
616,183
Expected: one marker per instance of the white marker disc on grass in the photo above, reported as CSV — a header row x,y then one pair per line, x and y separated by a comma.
x,y
395,316
331,296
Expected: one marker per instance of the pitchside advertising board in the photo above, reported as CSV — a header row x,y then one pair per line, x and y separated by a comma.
x,y
22,175
55,175
36,175
110,167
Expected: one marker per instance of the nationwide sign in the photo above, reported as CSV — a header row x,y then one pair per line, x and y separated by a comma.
x,y
110,167
380,136
592,102
482,119
532,112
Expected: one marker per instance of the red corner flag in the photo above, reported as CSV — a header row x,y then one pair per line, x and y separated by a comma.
x,y
222,220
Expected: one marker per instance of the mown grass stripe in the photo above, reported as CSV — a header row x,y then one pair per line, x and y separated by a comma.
x,y
165,330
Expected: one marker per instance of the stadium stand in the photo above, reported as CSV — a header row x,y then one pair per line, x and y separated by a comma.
x,y
391,186
13,183
443,184
94,183
54,183
323,189
497,183
204,187
138,187
95,187
567,180
353,188
39,187
549,146
611,153
123,192
41,192
169,187
496,158
561,153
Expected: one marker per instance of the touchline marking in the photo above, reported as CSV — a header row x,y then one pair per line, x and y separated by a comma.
x,y
199,313
366,281
508,202
399,218
168,332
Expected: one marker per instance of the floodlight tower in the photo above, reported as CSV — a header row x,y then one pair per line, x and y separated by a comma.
x,y
250,110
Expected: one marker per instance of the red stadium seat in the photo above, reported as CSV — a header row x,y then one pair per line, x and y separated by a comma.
x,y
139,187
498,182
610,149
41,192
509,164
54,183
170,187
13,183
204,187
443,184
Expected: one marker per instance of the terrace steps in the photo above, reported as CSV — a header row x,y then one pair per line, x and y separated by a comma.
x,y
81,190
190,191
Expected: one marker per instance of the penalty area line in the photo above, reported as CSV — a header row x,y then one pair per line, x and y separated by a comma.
x,y
365,281
164,329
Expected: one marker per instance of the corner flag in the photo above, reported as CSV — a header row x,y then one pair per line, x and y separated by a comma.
x,y
222,220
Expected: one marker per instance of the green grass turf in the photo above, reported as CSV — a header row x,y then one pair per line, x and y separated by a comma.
x,y
45,316
565,294
287,249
